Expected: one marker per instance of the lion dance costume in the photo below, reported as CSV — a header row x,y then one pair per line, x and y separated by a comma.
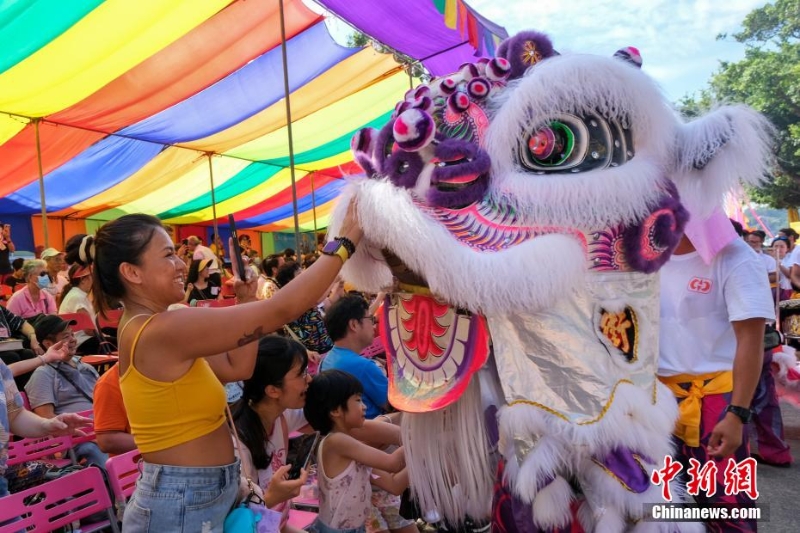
x,y
521,209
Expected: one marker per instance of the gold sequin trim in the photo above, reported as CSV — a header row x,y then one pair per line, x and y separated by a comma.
x,y
564,417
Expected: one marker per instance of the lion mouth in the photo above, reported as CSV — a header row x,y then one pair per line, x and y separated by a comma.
x,y
401,272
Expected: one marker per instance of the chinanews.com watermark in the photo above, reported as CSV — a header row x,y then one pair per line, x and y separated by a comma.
x,y
738,479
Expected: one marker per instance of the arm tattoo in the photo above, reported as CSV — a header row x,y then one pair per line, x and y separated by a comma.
x,y
247,339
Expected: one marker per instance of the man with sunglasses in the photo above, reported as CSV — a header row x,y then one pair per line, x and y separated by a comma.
x,y
352,329
65,386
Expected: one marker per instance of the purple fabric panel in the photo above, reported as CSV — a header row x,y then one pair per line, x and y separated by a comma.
x,y
413,27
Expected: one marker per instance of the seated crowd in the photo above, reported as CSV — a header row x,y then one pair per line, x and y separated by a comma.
x,y
271,369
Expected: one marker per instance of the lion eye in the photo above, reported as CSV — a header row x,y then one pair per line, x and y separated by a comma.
x,y
569,143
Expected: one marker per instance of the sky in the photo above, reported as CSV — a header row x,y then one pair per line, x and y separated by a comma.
x,y
677,38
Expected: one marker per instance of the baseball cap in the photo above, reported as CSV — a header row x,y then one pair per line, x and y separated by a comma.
x,y
50,252
49,325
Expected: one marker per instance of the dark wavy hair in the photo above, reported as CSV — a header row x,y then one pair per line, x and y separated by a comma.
x,y
276,357
123,240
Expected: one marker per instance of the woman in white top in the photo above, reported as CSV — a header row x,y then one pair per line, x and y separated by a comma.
x,y
271,409
75,299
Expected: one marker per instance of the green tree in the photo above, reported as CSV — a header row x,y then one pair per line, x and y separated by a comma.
x,y
410,65
768,79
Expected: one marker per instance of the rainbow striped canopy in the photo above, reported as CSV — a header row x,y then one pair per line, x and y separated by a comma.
x,y
135,106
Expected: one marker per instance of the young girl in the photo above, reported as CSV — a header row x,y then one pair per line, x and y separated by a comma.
x,y
345,465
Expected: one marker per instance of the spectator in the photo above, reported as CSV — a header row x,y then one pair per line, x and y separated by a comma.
x,y
347,467
289,255
309,329
110,417
267,284
15,419
172,390
75,299
791,235
198,251
17,277
12,327
780,247
271,408
33,299
75,250
66,386
6,249
218,248
352,329
246,245
756,241
197,282
56,266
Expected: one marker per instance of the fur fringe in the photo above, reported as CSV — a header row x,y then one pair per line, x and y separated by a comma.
x,y
552,265
448,459
735,142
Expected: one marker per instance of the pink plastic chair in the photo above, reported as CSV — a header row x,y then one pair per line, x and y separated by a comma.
x,y
301,519
89,430
61,502
123,471
31,449
26,403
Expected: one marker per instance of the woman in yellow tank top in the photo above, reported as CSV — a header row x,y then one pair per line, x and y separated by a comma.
x,y
173,366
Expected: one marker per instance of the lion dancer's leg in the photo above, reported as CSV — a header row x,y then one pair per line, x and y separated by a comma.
x,y
712,411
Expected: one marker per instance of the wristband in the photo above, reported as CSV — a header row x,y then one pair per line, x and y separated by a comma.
x,y
44,361
348,244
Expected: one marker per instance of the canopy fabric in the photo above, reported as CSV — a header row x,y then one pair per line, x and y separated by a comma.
x,y
123,104
418,30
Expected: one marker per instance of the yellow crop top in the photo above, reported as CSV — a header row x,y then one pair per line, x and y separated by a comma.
x,y
164,414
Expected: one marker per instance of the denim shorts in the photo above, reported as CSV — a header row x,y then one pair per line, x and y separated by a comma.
x,y
319,527
177,498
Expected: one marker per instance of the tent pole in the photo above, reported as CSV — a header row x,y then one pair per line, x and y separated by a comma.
x,y
289,128
41,183
314,208
213,200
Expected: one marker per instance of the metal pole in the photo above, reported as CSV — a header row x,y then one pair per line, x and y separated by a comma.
x,y
289,128
213,201
314,208
41,183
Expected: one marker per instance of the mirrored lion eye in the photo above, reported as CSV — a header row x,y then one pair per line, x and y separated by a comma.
x,y
557,145
403,167
572,144
551,145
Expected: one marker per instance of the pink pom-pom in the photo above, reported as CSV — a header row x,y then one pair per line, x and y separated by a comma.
x,y
468,71
478,88
498,69
448,85
458,102
424,102
413,130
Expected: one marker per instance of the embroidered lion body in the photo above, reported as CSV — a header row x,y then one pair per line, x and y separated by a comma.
x,y
520,209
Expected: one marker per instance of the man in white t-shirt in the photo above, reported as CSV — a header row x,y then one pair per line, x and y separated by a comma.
x,y
713,311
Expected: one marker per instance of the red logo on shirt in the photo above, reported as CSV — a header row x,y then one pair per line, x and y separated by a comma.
x,y
701,285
